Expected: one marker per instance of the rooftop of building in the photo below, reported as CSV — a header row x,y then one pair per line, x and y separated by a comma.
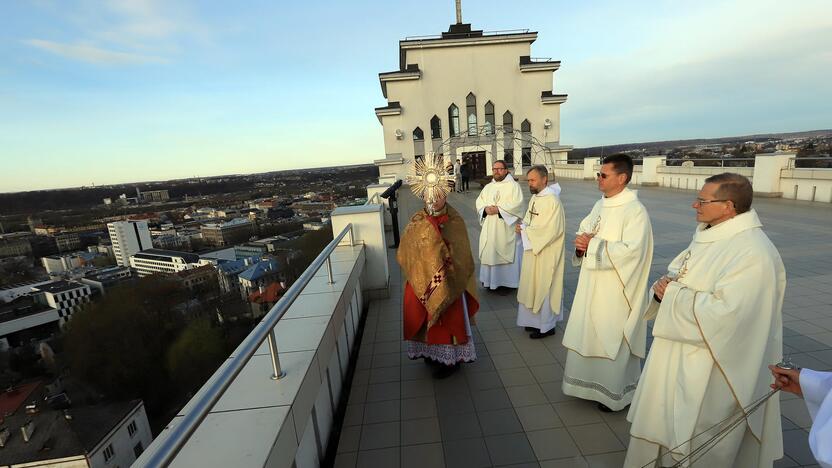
x,y
236,266
269,295
167,255
507,408
60,286
55,436
20,307
260,269
228,224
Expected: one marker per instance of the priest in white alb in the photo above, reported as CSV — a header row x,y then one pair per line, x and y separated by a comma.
x,y
499,207
540,295
816,390
718,327
606,335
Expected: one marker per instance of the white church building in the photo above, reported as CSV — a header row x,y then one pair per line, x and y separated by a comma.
x,y
473,95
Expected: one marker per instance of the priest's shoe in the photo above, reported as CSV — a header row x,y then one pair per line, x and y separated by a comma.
x,y
606,409
537,335
531,329
444,371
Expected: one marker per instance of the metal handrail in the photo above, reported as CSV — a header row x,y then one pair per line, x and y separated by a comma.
x,y
373,199
181,433
793,162
485,33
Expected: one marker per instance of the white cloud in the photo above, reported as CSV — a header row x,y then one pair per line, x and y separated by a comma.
x,y
92,54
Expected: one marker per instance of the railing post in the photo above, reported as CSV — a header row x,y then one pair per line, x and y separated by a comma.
x,y
278,372
329,269
352,239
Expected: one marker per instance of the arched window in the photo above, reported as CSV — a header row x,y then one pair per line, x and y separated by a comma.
x,y
453,118
508,122
526,152
435,128
418,143
471,108
489,118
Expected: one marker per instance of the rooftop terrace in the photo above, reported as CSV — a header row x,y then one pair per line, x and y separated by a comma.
x,y
351,395
507,409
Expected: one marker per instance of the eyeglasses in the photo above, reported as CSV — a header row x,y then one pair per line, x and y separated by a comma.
x,y
703,202
601,175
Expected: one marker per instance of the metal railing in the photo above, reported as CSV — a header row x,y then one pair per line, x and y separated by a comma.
x,y
373,200
179,435
793,163
720,162
485,33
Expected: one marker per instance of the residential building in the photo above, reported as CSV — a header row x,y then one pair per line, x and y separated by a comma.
x,y
228,272
64,296
469,94
68,241
129,238
58,264
15,244
199,278
51,433
104,278
151,261
227,233
250,249
24,320
260,274
155,196
262,300
315,226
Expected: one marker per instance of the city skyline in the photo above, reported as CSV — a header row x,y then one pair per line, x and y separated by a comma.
x,y
141,90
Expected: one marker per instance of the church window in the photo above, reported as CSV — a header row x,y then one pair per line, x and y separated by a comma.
x,y
471,108
508,122
435,128
453,118
489,118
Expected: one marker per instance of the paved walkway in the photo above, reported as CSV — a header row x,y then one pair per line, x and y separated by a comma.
x,y
507,409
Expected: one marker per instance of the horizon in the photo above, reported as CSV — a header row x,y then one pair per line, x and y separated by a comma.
x,y
109,93
247,174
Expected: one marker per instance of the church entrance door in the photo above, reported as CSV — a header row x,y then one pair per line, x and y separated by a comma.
x,y
476,161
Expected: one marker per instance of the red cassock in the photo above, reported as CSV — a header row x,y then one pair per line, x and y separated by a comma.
x,y
450,329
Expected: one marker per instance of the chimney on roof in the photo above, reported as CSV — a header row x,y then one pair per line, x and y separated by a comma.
x,y
458,11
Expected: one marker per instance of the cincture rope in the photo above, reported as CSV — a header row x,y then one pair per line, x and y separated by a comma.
x,y
738,418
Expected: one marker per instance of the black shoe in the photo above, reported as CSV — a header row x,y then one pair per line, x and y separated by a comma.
x,y
430,362
503,291
443,371
531,329
537,335
604,408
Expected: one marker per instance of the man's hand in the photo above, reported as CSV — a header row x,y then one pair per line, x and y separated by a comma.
x,y
492,210
517,228
582,241
787,380
661,286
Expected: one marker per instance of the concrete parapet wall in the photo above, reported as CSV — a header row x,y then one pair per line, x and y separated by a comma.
x,y
285,423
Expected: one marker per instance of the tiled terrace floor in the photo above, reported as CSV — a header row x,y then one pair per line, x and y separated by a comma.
x,y
506,409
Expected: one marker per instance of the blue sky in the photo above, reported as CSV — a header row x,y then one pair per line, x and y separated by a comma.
x,y
132,90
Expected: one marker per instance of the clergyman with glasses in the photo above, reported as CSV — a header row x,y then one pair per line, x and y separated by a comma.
x,y
718,326
606,335
499,207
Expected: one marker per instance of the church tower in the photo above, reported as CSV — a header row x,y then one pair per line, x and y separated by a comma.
x,y
474,95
